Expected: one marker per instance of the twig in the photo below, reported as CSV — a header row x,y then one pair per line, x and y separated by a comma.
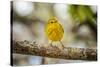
x,y
25,47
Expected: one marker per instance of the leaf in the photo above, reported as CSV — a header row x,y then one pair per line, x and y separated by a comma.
x,y
81,13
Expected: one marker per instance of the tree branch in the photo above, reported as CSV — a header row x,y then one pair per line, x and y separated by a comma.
x,y
28,48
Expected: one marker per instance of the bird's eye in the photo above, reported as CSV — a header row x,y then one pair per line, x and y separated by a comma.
x,y
51,22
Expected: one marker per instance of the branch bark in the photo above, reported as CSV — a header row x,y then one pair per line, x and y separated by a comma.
x,y
28,48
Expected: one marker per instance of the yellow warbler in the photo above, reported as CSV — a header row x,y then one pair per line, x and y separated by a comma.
x,y
54,30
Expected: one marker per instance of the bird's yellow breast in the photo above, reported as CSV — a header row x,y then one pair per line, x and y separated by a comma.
x,y
54,31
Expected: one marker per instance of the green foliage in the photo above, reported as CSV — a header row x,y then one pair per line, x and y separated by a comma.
x,y
81,13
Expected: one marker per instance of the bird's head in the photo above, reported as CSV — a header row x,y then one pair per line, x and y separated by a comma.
x,y
52,21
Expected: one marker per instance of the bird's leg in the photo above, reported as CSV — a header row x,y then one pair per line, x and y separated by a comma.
x,y
51,44
62,45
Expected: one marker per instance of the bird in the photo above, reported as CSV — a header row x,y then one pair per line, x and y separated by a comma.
x,y
54,31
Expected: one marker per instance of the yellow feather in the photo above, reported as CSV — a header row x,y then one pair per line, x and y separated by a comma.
x,y
54,30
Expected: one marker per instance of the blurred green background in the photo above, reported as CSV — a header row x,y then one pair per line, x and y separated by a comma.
x,y
29,19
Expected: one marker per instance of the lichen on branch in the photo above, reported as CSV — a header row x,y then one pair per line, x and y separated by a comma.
x,y
29,48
